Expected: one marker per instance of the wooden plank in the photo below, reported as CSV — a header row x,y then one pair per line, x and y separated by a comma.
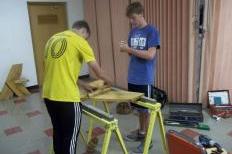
x,y
108,94
23,90
6,93
99,92
117,96
14,74
14,84
96,84
14,88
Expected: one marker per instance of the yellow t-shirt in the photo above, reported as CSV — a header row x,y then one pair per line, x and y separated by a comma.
x,y
65,53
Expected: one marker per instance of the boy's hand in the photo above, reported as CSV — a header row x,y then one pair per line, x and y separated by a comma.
x,y
108,82
124,47
89,88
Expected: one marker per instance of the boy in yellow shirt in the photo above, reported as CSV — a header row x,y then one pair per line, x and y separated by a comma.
x,y
65,53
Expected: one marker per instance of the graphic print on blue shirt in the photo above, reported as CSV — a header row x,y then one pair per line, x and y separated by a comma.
x,y
142,71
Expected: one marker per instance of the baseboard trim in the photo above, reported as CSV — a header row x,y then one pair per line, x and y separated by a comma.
x,y
34,88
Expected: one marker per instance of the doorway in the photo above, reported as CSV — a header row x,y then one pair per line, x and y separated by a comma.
x,y
46,19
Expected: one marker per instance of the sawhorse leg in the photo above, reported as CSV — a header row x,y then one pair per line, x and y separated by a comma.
x,y
106,141
109,128
162,132
111,125
106,107
120,139
155,111
90,128
153,115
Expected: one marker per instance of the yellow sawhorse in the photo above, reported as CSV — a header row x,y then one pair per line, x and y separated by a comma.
x,y
111,126
155,112
117,95
112,95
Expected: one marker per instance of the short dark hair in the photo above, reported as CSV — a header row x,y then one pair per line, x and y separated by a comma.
x,y
81,24
134,8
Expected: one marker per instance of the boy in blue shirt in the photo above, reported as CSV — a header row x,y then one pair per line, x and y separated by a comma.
x,y
143,40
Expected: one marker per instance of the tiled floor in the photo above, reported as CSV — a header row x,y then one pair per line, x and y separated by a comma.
x,y
25,128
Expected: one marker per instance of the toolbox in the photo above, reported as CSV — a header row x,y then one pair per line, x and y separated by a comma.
x,y
180,143
219,103
185,112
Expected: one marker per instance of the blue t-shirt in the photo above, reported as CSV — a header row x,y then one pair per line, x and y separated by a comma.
x,y
142,71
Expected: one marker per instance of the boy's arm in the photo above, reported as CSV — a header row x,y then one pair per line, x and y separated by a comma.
x,y
149,54
99,72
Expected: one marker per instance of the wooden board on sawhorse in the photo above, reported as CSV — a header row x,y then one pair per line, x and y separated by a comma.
x,y
117,95
155,114
106,96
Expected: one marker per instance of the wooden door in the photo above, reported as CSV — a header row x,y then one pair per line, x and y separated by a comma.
x,y
46,19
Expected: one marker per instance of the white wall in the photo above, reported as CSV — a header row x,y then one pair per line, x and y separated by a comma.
x,y
16,40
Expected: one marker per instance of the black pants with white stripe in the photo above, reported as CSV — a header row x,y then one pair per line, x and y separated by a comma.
x,y
66,120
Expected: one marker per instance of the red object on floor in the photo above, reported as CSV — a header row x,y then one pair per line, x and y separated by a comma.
x,y
189,132
13,130
49,132
35,152
3,112
33,113
222,111
179,143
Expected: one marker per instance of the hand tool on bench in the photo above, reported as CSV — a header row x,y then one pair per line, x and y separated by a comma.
x,y
196,125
